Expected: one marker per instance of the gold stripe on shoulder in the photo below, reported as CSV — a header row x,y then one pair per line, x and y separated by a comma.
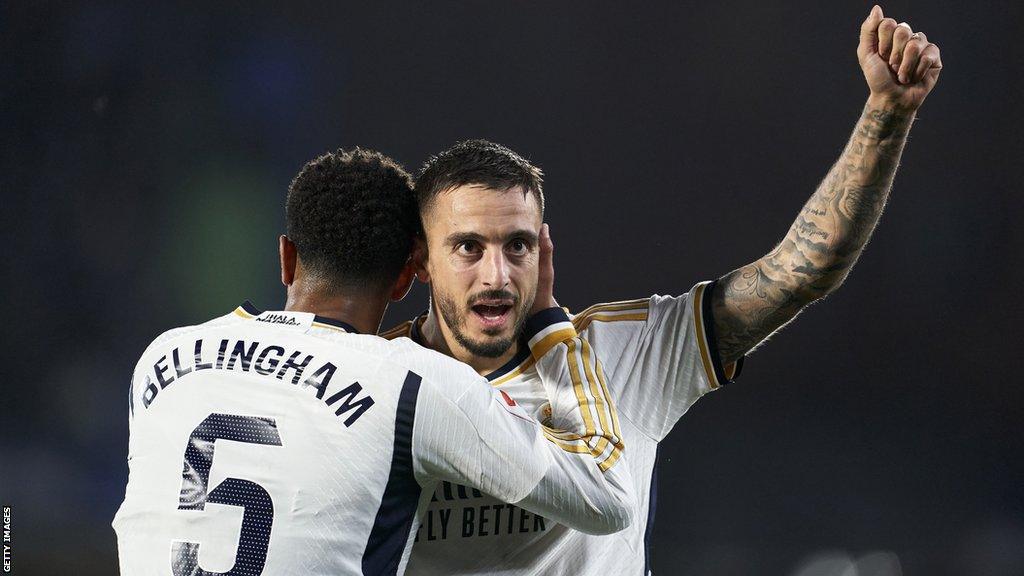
x,y
240,312
403,329
581,322
616,306
613,312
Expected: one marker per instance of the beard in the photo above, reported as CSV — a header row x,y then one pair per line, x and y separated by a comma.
x,y
455,317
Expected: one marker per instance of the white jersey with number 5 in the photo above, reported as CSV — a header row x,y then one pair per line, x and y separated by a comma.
x,y
284,443
658,358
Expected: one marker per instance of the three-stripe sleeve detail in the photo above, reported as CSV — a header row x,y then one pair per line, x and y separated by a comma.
x,y
601,437
635,310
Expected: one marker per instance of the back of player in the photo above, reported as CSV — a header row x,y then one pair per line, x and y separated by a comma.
x,y
261,443
283,443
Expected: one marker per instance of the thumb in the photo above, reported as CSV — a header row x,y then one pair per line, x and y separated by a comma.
x,y
869,32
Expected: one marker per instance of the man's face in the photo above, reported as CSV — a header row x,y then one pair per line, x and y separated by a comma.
x,y
481,262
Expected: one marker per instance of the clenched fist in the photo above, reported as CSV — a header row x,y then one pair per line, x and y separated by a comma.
x,y
900,65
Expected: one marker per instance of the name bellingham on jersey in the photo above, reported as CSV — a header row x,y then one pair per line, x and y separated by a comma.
x,y
286,443
266,359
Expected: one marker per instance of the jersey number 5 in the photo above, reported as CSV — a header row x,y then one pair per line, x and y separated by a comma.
x,y
257,507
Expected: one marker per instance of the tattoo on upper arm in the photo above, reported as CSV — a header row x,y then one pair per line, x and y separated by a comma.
x,y
821,246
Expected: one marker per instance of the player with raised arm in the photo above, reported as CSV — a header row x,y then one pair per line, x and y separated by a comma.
x,y
481,205
298,442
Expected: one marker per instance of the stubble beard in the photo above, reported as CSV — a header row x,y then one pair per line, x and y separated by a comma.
x,y
455,317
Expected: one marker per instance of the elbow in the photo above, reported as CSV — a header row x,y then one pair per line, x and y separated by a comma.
x,y
617,515
616,521
817,286
622,519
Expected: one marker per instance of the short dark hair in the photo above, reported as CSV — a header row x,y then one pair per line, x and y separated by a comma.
x,y
477,162
353,217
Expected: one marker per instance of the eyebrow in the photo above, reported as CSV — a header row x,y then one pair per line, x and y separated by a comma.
x,y
459,237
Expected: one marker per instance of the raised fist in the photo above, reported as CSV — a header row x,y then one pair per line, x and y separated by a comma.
x,y
901,66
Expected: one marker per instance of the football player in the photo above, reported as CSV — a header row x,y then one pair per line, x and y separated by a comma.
x,y
296,441
482,207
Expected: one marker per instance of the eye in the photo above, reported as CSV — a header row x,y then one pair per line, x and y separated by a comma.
x,y
467,248
518,247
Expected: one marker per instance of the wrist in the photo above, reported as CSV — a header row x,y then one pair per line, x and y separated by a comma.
x,y
884,119
890,105
546,329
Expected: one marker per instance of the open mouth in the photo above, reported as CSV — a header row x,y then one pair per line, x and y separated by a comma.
x,y
492,313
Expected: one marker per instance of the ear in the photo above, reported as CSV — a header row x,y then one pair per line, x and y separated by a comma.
x,y
289,257
404,283
419,260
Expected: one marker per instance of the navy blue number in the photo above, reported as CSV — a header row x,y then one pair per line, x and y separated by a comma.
x,y
257,507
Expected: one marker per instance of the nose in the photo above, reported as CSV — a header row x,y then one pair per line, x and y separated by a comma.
x,y
494,270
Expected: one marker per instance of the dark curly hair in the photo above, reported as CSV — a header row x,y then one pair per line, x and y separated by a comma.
x,y
352,216
477,162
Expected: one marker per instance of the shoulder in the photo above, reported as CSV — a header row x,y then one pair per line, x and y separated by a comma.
x,y
644,309
442,378
181,331
436,368
621,311
431,365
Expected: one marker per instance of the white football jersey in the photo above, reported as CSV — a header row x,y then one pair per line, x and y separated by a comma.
x,y
285,443
658,357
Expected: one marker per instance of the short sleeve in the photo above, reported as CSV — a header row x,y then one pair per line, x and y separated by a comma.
x,y
659,353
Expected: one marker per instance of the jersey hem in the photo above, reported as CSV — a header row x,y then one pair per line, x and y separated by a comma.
x,y
718,374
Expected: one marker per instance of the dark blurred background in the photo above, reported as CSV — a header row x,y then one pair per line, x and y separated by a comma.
x,y
146,149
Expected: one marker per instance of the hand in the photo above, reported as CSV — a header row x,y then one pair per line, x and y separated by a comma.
x,y
900,66
546,277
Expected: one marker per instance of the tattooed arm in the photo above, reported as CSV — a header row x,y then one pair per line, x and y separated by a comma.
x,y
823,243
830,232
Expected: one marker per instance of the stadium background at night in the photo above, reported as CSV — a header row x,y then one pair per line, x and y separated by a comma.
x,y
147,149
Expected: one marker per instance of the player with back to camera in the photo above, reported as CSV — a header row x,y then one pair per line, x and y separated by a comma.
x,y
482,207
298,442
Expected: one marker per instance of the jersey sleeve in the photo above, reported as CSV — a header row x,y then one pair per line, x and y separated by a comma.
x,y
580,416
659,353
473,434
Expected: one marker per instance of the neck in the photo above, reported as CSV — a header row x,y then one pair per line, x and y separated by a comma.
x,y
438,337
361,312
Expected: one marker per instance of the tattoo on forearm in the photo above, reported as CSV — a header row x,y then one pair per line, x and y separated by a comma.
x,y
823,243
